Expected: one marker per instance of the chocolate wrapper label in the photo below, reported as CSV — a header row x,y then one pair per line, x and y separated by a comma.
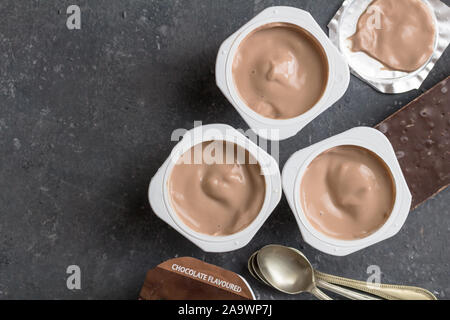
x,y
191,279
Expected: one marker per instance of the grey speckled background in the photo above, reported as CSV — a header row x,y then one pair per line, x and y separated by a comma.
x,y
85,122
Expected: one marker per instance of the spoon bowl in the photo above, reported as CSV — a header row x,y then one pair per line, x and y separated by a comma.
x,y
287,270
256,270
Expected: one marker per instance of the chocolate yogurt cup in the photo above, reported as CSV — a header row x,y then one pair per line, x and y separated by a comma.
x,y
163,206
367,139
337,82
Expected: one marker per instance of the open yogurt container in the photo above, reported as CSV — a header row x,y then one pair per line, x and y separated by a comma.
x,y
365,138
337,82
160,200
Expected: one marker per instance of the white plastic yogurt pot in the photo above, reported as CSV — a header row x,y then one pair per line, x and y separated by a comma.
x,y
273,129
159,196
364,137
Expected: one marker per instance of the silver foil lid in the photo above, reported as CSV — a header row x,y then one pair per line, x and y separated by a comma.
x,y
343,26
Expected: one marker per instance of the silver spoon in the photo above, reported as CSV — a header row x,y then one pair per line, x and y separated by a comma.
x,y
284,271
257,272
254,271
385,291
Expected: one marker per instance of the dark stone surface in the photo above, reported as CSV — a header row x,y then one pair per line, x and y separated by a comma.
x,y
85,122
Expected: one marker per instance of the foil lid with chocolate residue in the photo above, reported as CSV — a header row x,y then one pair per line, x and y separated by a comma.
x,y
379,75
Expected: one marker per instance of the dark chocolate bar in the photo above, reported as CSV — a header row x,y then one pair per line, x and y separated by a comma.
x,y
419,133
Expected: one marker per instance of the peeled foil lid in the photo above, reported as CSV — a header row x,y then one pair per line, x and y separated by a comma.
x,y
188,278
343,26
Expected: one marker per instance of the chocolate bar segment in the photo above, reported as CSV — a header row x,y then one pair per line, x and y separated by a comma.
x,y
419,133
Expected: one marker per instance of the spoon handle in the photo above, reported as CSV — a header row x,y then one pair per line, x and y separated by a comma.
x,y
319,294
353,295
386,291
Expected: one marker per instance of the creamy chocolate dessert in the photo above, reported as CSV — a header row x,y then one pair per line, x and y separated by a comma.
x,y
398,33
217,188
280,71
347,193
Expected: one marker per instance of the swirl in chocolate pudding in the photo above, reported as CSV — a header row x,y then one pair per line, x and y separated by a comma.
x,y
217,188
347,193
280,71
398,33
